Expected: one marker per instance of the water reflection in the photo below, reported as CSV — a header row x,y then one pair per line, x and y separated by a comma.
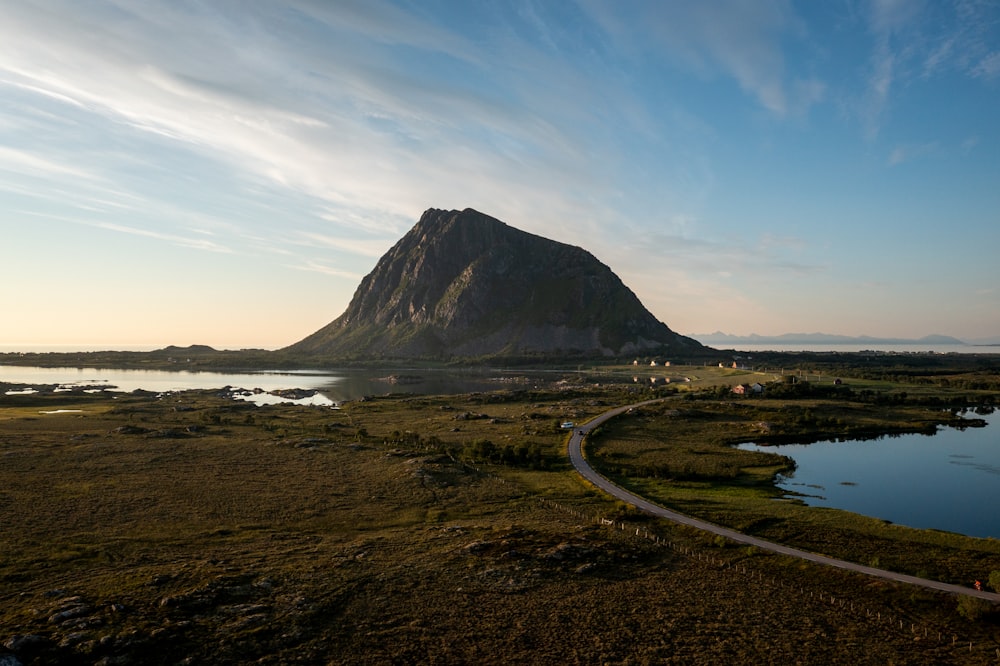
x,y
947,481
332,386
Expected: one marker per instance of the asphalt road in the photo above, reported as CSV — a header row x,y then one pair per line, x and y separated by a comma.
x,y
589,473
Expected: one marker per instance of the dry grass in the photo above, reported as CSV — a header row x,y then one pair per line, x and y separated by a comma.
x,y
196,530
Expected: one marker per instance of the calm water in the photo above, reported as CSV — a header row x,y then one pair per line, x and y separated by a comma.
x,y
948,481
333,386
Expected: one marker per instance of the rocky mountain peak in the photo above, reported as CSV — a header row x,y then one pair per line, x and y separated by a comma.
x,y
464,284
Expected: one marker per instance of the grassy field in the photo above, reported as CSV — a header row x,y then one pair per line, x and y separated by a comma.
x,y
680,454
411,529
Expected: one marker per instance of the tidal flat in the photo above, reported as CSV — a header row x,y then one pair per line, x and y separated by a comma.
x,y
189,528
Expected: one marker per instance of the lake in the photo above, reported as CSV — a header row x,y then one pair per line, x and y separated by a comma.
x,y
948,481
332,386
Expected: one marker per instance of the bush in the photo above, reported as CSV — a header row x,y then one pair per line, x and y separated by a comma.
x,y
526,454
973,608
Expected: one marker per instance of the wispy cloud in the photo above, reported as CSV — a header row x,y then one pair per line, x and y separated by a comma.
x,y
912,40
906,153
64,99
988,67
21,161
316,267
196,243
175,239
888,21
764,258
366,248
880,82
351,118
737,39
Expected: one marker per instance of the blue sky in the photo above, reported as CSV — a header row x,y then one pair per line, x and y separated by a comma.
x,y
225,172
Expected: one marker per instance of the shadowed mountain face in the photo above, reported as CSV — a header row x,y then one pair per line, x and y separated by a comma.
x,y
463,284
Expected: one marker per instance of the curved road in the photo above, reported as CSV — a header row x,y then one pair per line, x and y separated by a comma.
x,y
589,473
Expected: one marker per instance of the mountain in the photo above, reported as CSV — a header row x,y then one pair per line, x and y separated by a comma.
x,y
191,349
719,338
464,284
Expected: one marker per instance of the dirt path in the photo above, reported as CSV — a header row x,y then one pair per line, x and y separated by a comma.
x,y
589,473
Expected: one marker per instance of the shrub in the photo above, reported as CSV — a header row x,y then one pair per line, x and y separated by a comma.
x,y
972,608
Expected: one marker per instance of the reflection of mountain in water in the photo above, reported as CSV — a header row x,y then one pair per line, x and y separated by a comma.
x,y
337,386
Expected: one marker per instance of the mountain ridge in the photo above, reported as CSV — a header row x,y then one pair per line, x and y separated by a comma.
x,y
719,337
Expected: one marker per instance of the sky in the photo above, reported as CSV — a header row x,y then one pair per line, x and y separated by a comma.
x,y
225,172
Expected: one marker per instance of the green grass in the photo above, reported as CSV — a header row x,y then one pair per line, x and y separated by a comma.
x,y
680,455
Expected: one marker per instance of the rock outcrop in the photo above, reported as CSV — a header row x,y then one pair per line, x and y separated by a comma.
x,y
464,284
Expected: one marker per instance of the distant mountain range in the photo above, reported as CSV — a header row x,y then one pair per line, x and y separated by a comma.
x,y
720,338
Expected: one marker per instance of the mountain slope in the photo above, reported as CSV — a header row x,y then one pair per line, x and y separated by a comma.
x,y
463,284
